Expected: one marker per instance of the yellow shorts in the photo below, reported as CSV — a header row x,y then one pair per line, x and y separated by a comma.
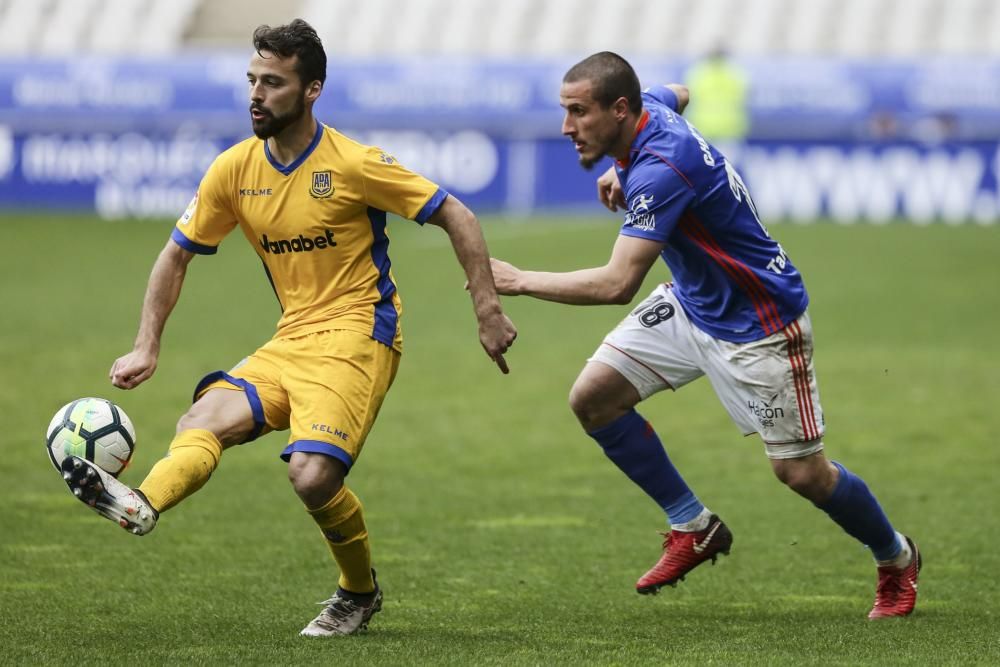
x,y
327,387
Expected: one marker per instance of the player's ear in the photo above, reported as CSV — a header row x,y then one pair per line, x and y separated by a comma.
x,y
620,107
313,90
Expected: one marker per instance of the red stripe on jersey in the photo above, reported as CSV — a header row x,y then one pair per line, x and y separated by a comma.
x,y
765,299
767,313
671,165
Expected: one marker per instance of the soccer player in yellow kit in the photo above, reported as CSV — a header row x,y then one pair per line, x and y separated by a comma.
x,y
313,205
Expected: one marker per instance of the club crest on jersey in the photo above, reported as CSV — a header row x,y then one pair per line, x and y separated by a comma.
x,y
322,184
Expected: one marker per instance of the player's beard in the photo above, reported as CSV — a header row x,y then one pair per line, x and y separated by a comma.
x,y
588,163
604,146
273,125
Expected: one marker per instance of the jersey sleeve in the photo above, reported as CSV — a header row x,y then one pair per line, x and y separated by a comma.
x,y
209,217
657,198
391,187
661,95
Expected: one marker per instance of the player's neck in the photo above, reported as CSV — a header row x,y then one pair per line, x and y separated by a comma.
x,y
290,143
630,128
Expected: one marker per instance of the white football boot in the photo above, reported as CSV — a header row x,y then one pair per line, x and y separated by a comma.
x,y
343,616
107,496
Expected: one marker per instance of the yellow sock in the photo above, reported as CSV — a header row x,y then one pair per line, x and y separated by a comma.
x,y
189,462
343,524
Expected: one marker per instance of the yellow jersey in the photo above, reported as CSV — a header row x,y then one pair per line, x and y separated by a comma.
x,y
318,225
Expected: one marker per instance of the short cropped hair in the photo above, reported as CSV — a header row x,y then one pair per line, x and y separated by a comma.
x,y
612,77
297,38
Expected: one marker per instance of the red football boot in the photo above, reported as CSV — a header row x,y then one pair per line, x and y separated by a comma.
x,y
896,594
684,551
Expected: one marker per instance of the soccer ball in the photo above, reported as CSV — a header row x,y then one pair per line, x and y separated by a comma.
x,y
94,429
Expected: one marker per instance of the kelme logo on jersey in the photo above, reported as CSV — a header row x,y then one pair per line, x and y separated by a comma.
x,y
298,244
638,216
322,184
256,192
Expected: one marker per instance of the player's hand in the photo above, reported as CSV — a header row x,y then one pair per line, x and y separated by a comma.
x,y
506,277
609,190
497,334
131,370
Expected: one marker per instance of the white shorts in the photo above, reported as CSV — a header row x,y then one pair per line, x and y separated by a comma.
x,y
768,386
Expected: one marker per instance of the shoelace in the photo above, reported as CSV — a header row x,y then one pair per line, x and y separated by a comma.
x,y
889,588
666,539
337,611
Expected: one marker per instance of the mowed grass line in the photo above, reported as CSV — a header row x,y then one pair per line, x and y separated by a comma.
x,y
501,533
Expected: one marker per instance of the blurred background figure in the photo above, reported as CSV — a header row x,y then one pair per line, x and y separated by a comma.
x,y
883,125
939,128
719,95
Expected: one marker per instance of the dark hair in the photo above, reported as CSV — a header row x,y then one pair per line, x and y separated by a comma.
x,y
612,77
298,38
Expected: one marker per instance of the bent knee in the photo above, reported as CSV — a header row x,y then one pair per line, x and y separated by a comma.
x,y
581,402
591,410
316,478
225,413
600,395
811,477
797,478
193,418
228,433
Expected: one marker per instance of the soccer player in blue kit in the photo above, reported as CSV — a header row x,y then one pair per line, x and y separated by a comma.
x,y
735,312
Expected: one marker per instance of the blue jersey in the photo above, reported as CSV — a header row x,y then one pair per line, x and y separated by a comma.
x,y
734,281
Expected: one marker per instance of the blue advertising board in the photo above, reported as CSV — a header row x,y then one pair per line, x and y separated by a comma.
x,y
789,98
131,138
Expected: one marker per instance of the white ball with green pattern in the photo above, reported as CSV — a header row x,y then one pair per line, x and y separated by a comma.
x,y
94,429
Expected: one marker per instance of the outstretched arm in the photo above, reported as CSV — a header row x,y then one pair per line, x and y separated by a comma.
x,y
162,291
496,331
615,282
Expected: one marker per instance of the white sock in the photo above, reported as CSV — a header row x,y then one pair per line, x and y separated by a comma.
x,y
903,558
700,522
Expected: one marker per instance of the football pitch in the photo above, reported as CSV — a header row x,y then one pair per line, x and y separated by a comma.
x,y
500,532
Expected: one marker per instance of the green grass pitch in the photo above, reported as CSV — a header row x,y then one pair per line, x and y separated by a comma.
x,y
501,533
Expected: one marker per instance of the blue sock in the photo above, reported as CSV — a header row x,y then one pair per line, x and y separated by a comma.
x,y
853,507
632,445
